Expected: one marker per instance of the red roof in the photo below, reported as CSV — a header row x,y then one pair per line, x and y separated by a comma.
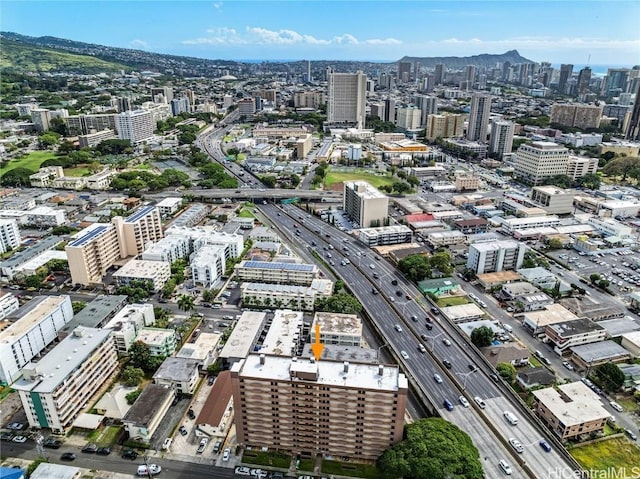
x,y
418,217
216,403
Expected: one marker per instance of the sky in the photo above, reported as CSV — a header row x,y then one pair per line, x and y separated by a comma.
x,y
598,32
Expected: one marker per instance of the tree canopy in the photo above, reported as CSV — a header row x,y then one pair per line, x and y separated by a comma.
x,y
610,377
432,449
417,267
339,303
482,337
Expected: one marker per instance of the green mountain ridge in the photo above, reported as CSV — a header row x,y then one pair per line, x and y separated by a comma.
x,y
22,57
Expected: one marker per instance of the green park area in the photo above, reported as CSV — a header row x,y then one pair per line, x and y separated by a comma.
x,y
619,454
452,301
77,171
31,161
374,180
245,213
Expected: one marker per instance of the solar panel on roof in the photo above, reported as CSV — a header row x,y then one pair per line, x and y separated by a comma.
x,y
88,237
281,266
139,214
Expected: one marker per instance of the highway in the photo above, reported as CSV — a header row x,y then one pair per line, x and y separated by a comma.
x,y
387,309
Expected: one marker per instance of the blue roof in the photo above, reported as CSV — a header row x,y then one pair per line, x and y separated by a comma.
x,y
11,473
142,212
281,266
88,236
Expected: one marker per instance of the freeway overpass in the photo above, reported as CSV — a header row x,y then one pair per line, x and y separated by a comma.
x,y
270,195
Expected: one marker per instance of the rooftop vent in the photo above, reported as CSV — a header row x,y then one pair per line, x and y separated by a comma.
x,y
262,359
380,370
345,368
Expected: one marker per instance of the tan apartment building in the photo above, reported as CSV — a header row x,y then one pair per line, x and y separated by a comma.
x,y
156,272
318,408
467,183
570,410
577,166
134,232
444,126
576,115
62,384
92,252
365,204
539,160
338,328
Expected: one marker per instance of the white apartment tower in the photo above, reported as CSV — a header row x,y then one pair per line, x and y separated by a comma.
x,y
479,117
501,137
9,235
136,231
365,204
539,160
495,256
135,126
347,98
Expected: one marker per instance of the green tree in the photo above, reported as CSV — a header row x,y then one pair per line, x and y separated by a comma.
x,y
554,243
416,267
131,376
609,376
140,357
133,395
432,449
208,296
507,371
162,315
233,152
339,303
57,125
482,337
594,277
624,166
17,177
268,180
442,262
48,139
78,306
590,181
186,303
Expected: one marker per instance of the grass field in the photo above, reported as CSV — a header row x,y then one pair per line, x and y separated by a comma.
x,y
453,301
77,171
617,454
347,469
628,403
246,214
104,437
274,459
32,161
376,181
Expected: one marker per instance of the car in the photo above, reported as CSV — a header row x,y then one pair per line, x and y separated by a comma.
x,y
16,426
447,364
463,401
6,436
398,293
68,456
398,328
19,439
103,451
52,443
242,471
628,432
404,354
144,470
191,414
437,378
226,454
506,468
129,454
567,365
446,342
428,326
480,402
414,318
448,405
435,310
517,445
259,473
472,368
90,448
545,445
421,348
394,282
166,444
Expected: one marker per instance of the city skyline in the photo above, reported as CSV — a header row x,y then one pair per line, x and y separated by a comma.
x,y
567,32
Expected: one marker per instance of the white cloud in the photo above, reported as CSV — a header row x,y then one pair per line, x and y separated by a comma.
x,y
264,36
217,5
138,44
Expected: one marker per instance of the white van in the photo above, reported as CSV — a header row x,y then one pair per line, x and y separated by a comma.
x,y
511,418
506,468
616,406
507,328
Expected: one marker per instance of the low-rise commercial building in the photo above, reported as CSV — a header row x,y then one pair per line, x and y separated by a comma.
x,y
385,235
285,295
127,324
589,356
554,200
537,321
337,328
169,206
570,410
157,273
440,239
143,419
243,338
568,334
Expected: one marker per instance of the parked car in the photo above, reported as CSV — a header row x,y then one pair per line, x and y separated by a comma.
x,y
68,456
183,430
226,454
19,439
129,454
90,448
52,443
103,451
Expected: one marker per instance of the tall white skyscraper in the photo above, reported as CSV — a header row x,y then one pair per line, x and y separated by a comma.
x,y
479,117
501,137
135,126
347,98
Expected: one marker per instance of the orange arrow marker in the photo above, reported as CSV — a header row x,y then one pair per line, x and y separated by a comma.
x,y
317,347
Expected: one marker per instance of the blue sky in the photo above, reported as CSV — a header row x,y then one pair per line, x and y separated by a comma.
x,y
564,31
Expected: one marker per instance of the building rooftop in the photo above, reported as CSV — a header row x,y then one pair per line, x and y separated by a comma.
x,y
521,288
89,234
337,323
176,369
364,189
551,314
32,251
463,311
140,268
216,403
619,326
599,351
278,266
244,335
26,317
336,352
155,336
145,407
47,470
575,327
330,373
169,202
54,367
495,245
97,312
204,344
573,404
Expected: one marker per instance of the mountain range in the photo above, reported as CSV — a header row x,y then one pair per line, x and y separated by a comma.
x,y
52,54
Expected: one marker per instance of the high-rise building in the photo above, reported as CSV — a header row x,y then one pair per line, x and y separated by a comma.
x,y
633,126
439,74
325,407
162,94
578,115
9,235
364,204
470,75
191,96
566,70
495,256
615,81
479,117
506,71
123,104
389,110
179,105
404,72
135,126
408,118
143,226
347,98
540,160
41,118
92,252
584,78
501,137
447,125
247,108
56,389
428,106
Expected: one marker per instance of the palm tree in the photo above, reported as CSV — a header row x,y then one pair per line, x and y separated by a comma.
x,y
186,303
